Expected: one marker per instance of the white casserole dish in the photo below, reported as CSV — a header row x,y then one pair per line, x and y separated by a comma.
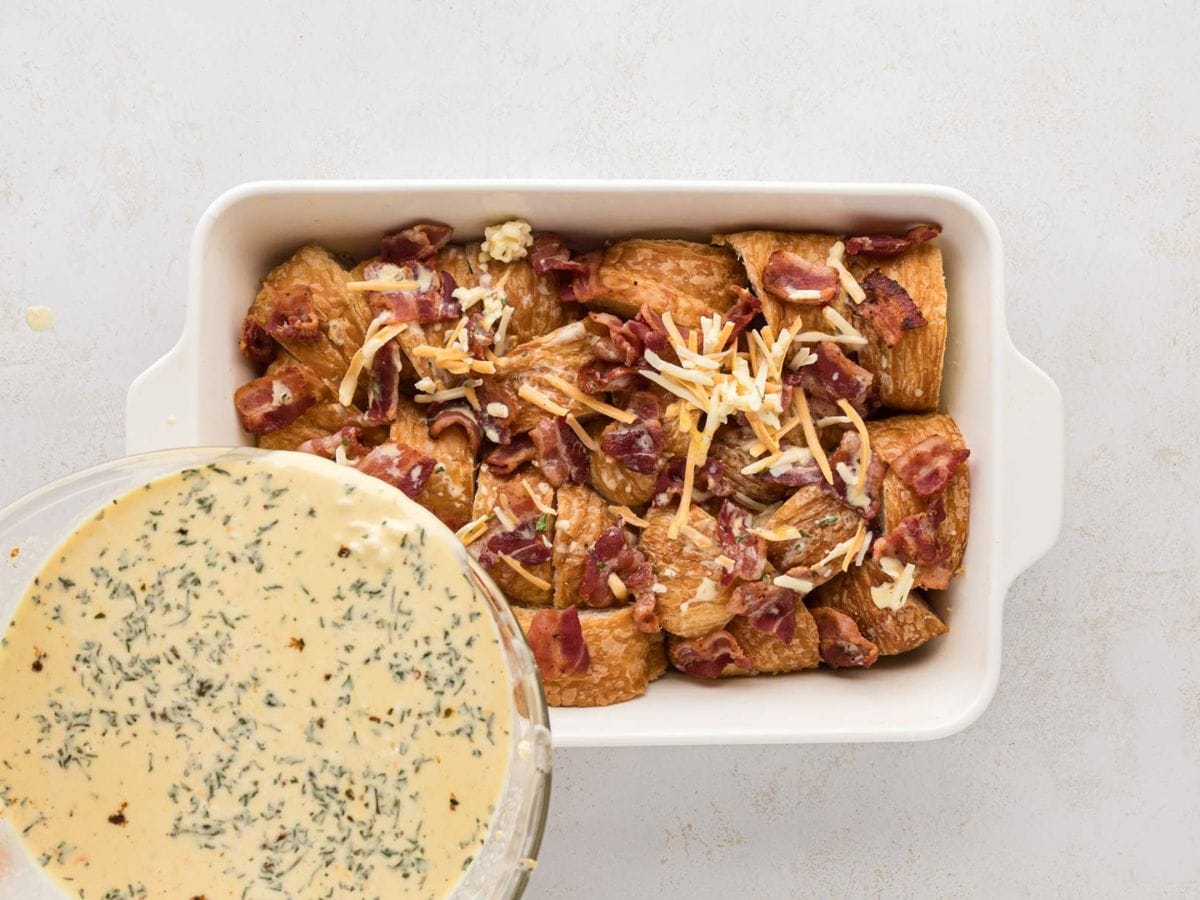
x,y
1009,411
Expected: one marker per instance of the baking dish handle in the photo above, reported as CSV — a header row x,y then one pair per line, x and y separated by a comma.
x,y
159,409
1032,442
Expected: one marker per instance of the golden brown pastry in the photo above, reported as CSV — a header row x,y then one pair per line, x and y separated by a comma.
x,y
695,602
768,653
892,631
823,521
533,298
909,374
686,279
610,478
582,517
559,354
621,660
450,491
515,504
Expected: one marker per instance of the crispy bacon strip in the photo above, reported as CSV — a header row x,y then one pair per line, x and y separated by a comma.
x,y
747,550
560,454
497,429
613,554
399,465
890,245
787,272
597,377
269,403
710,478
767,607
841,645
507,458
581,281
638,446
556,639
928,466
383,396
707,656
527,543
741,314
455,414
795,474
433,304
834,376
645,614
292,314
888,308
256,345
417,243
349,438
548,253
915,540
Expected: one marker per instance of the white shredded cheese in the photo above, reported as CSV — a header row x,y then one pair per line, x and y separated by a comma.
x,y
507,241
792,583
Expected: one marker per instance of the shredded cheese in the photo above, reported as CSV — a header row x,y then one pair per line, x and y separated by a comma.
x,y
505,517
382,285
507,241
454,393
792,583
864,458
855,546
617,586
540,400
851,287
842,324
473,530
378,334
749,502
894,594
778,535
537,500
621,415
800,404
696,536
725,562
582,433
540,583
628,515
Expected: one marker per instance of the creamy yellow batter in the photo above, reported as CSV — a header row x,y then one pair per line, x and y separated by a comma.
x,y
255,679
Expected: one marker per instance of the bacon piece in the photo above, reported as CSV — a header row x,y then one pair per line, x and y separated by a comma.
x,y
710,478
561,455
841,645
556,639
928,466
596,377
787,272
915,540
582,280
349,438
548,253
795,474
888,308
707,656
747,550
383,395
507,458
847,450
613,553
497,429
431,304
269,403
525,543
638,446
890,245
741,314
256,345
417,243
292,315
768,608
645,615
399,465
834,376
479,336
455,414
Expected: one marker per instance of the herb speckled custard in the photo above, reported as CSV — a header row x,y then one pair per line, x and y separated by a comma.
x,y
253,680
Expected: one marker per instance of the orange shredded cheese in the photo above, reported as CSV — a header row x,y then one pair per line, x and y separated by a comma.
x,y
800,404
540,400
864,458
539,583
582,433
382,285
628,515
855,544
537,500
473,530
621,415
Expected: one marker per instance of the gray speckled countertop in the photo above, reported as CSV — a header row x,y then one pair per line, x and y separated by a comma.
x,y
1076,124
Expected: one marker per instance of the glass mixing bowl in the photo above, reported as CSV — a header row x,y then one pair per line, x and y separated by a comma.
x,y
34,526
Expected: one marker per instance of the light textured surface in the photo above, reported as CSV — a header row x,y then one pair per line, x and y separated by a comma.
x,y
1076,124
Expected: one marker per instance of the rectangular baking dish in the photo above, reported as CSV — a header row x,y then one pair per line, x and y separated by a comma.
x,y
1009,411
